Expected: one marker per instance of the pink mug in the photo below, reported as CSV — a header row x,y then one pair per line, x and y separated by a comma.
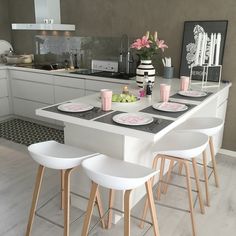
x,y
164,92
106,99
184,83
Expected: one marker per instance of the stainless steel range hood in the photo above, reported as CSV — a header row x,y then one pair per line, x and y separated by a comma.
x,y
47,17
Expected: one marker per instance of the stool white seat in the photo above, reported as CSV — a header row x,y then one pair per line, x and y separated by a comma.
x,y
181,147
115,174
207,125
51,154
54,155
182,144
118,175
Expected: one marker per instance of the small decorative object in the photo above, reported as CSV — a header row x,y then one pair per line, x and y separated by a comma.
x,y
125,90
202,51
146,47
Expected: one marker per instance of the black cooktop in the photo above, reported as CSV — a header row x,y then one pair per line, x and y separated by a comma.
x,y
108,74
50,66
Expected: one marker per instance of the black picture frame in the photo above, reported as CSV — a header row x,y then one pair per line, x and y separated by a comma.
x,y
209,26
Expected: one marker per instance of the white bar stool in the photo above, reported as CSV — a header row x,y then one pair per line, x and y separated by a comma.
x,y
118,175
54,155
209,126
181,147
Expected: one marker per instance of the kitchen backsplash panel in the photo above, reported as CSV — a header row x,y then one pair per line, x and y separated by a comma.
x,y
58,48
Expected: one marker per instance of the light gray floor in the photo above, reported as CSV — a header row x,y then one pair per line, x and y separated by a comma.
x,y
17,176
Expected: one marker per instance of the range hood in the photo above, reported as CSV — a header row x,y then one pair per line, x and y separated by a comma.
x,y
47,17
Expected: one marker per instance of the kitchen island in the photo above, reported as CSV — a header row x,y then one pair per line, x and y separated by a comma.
x,y
97,132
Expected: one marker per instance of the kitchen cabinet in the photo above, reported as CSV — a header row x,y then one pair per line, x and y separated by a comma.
x,y
67,88
31,91
4,94
94,86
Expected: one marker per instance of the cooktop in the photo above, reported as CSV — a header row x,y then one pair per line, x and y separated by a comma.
x,y
108,74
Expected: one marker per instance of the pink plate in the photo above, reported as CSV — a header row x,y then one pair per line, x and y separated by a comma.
x,y
192,93
132,119
74,107
170,106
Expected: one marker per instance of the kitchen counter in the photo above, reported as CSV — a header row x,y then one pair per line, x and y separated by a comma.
x,y
66,73
99,134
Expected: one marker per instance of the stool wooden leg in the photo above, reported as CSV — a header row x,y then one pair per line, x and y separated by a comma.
x,y
127,213
62,188
66,203
111,202
37,188
152,207
214,162
180,168
186,164
168,177
199,192
206,178
89,211
100,209
160,178
154,166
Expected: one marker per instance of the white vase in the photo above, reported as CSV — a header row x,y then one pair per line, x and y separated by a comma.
x,y
145,66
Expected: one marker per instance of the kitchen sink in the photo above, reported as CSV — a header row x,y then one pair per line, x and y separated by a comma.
x,y
107,74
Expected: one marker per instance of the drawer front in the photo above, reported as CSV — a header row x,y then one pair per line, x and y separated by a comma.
x,y
4,107
33,91
27,109
98,85
3,88
29,76
3,74
64,94
222,96
69,82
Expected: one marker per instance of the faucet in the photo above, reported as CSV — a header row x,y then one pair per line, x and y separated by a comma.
x,y
124,56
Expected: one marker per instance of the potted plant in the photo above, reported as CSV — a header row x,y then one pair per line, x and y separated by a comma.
x,y
146,47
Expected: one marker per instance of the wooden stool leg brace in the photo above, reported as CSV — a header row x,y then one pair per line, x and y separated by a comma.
x,y
127,209
185,163
65,200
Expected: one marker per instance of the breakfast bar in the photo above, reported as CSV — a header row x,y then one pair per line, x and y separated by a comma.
x,y
96,130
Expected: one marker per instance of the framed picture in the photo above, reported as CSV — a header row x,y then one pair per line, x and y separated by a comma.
x,y
192,30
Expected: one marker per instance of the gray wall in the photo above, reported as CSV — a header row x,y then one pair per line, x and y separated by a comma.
x,y
134,17
5,32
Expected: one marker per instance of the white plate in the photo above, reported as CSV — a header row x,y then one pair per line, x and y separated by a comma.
x,y
170,107
75,107
133,119
191,93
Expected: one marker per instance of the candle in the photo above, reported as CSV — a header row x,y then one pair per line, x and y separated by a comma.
x,y
198,48
205,46
218,42
210,51
202,48
213,49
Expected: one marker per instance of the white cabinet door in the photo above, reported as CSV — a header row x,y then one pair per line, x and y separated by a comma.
x,y
3,88
95,85
3,74
4,106
27,109
31,76
37,92
67,88
69,82
64,93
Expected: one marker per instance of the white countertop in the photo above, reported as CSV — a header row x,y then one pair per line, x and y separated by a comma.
x,y
134,107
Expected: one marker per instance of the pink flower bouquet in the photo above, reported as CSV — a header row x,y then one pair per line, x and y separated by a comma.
x,y
148,45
